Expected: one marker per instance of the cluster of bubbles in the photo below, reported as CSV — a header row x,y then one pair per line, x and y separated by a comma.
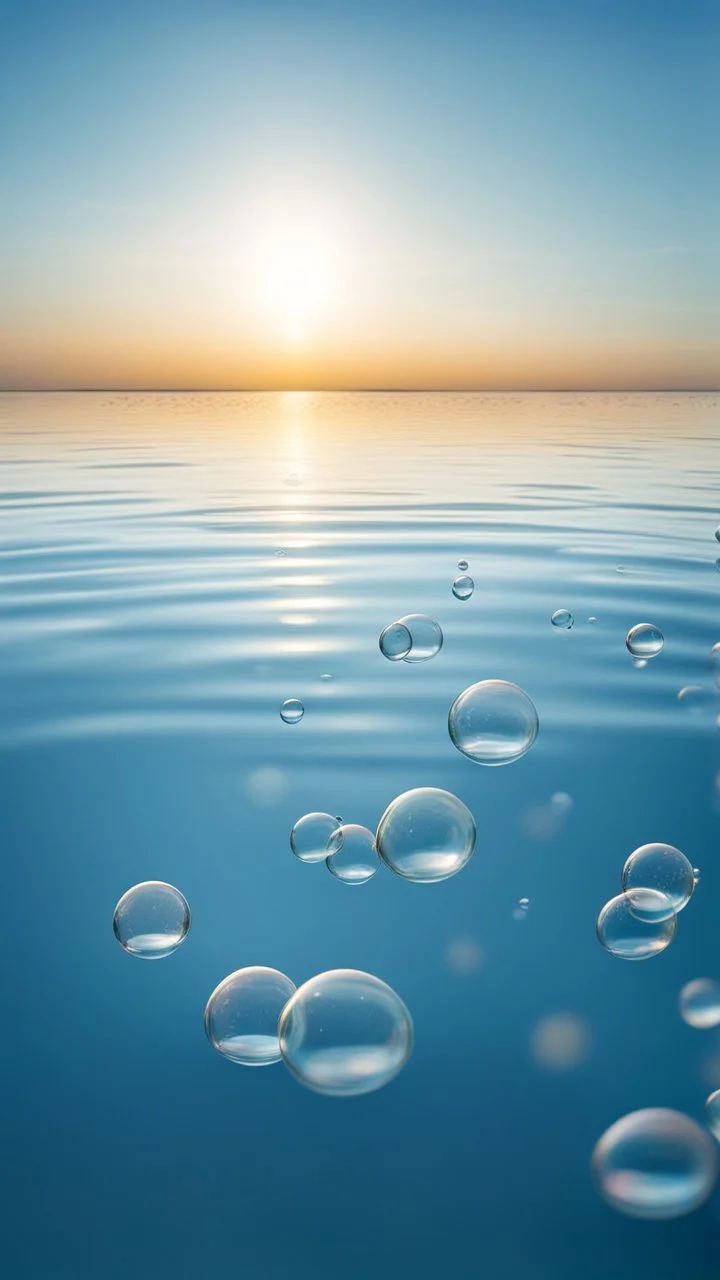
x,y
424,835
657,882
415,638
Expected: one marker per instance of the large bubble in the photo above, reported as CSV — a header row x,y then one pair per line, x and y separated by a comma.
x,y
655,1164
344,1033
426,636
637,925
151,920
309,836
662,867
700,1003
426,835
241,1016
493,722
645,640
352,856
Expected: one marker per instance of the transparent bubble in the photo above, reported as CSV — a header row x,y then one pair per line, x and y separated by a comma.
x,y
352,856
151,920
640,663
562,618
292,710
326,676
426,636
561,804
626,929
462,588
662,867
655,1164
395,641
695,700
700,1003
310,835
712,1111
344,1033
696,874
426,835
524,904
464,955
280,552
645,640
462,565
560,1042
715,663
592,620
493,722
241,1016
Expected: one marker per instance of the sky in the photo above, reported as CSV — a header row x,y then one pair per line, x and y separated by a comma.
x,y
519,194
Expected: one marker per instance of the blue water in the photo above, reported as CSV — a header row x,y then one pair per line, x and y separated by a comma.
x,y
148,636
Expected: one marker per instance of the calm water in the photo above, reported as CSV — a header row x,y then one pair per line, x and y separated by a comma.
x,y
149,633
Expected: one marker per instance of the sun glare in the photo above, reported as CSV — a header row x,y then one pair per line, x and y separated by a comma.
x,y
298,268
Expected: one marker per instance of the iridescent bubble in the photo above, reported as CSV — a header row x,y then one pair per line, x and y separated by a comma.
x,y
560,1042
151,920
426,835
562,618
426,636
352,856
561,804
712,1111
345,1033
310,835
700,1003
626,929
493,722
462,565
695,700
662,867
292,711
645,640
463,587
655,1164
395,641
241,1016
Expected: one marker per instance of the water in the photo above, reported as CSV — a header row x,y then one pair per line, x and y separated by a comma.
x,y
150,634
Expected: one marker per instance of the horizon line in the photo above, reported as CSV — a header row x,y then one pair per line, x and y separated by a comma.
x,y
465,390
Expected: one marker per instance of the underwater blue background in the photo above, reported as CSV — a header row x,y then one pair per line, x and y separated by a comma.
x,y
148,636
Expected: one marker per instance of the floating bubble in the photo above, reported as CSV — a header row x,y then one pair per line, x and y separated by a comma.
x,y
280,551
462,565
655,1164
493,722
695,700
395,641
662,867
696,874
463,587
326,676
345,1033
524,904
464,955
712,1111
352,856
627,928
644,640
562,618
561,804
151,920
640,663
241,1016
292,711
426,637
592,620
560,1042
700,1003
310,835
426,835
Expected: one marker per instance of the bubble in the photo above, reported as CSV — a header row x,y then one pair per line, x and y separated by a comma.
x,y
493,722
151,920
640,663
561,804
592,620
462,588
310,835
395,641
464,955
662,867
241,1016
644,640
712,1111
345,1033
326,676
696,874
426,835
700,1003
715,663
626,927
280,551
655,1164
292,711
519,913
695,700
426,637
352,856
560,1042
524,904
462,565
562,618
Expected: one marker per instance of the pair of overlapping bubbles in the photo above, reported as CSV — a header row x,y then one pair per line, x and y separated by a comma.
x,y
343,1033
414,638
425,835
658,882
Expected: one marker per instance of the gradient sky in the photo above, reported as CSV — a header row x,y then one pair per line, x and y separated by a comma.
x,y
509,193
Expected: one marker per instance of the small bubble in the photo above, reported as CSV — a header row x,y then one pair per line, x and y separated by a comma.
x,y
696,874
592,619
560,1042
151,920
241,1016
639,663
561,804
309,836
280,551
661,867
464,956
265,786
655,1164
625,929
426,835
326,676
695,700
562,618
645,640
493,722
292,711
395,642
700,1003
524,904
293,480
351,854
462,588
462,565
426,637
717,533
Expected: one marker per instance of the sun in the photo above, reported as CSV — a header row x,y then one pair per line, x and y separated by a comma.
x,y
299,269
